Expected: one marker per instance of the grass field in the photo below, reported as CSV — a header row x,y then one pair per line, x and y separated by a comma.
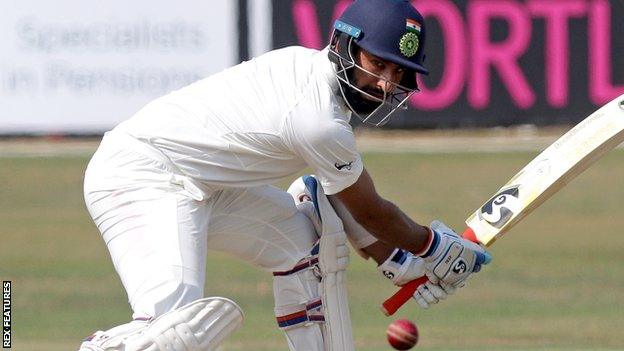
x,y
556,282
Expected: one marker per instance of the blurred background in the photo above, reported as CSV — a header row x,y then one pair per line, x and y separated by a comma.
x,y
507,78
79,67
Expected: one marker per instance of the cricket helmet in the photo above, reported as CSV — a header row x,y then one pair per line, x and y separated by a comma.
x,y
392,30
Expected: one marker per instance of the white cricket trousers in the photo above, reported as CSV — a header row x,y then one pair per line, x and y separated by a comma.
x,y
158,224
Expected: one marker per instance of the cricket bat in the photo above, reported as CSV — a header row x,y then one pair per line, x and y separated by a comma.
x,y
550,171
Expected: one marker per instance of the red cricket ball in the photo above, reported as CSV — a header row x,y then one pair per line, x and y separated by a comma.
x,y
402,334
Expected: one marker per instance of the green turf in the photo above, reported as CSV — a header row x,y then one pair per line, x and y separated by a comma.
x,y
556,283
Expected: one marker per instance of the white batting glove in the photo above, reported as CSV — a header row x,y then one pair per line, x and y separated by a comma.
x,y
431,293
449,259
401,267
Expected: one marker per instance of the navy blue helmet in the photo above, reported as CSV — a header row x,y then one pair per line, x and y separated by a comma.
x,y
392,30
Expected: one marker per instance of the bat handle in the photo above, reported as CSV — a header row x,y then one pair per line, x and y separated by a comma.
x,y
394,302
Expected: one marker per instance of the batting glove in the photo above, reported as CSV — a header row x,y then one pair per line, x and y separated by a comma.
x,y
402,266
449,259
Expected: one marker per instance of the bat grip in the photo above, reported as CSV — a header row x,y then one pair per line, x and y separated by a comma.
x,y
394,302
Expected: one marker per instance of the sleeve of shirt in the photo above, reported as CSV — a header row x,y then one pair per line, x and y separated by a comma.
x,y
328,147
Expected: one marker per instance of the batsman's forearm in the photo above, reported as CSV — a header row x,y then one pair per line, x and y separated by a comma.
x,y
395,228
379,251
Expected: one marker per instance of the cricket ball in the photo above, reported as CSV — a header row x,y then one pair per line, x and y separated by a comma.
x,y
402,334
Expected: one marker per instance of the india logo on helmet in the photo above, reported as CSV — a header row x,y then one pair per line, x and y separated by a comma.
x,y
409,44
409,41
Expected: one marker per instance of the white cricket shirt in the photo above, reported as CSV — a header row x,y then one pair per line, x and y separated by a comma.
x,y
256,123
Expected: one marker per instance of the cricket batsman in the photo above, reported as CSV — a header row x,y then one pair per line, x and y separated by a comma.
x,y
191,171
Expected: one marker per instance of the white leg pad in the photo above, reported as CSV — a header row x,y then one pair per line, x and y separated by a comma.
x,y
113,339
357,235
333,262
333,259
298,310
199,326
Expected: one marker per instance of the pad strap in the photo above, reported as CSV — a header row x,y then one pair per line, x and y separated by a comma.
x,y
298,315
309,261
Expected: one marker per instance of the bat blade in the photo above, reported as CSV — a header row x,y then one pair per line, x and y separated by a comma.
x,y
550,171
546,174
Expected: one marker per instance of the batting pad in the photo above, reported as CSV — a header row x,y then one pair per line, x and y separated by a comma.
x,y
333,262
199,326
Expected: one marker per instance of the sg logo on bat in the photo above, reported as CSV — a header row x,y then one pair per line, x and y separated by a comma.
x,y
501,207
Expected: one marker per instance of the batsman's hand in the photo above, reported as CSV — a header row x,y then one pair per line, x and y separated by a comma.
x,y
402,266
450,260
